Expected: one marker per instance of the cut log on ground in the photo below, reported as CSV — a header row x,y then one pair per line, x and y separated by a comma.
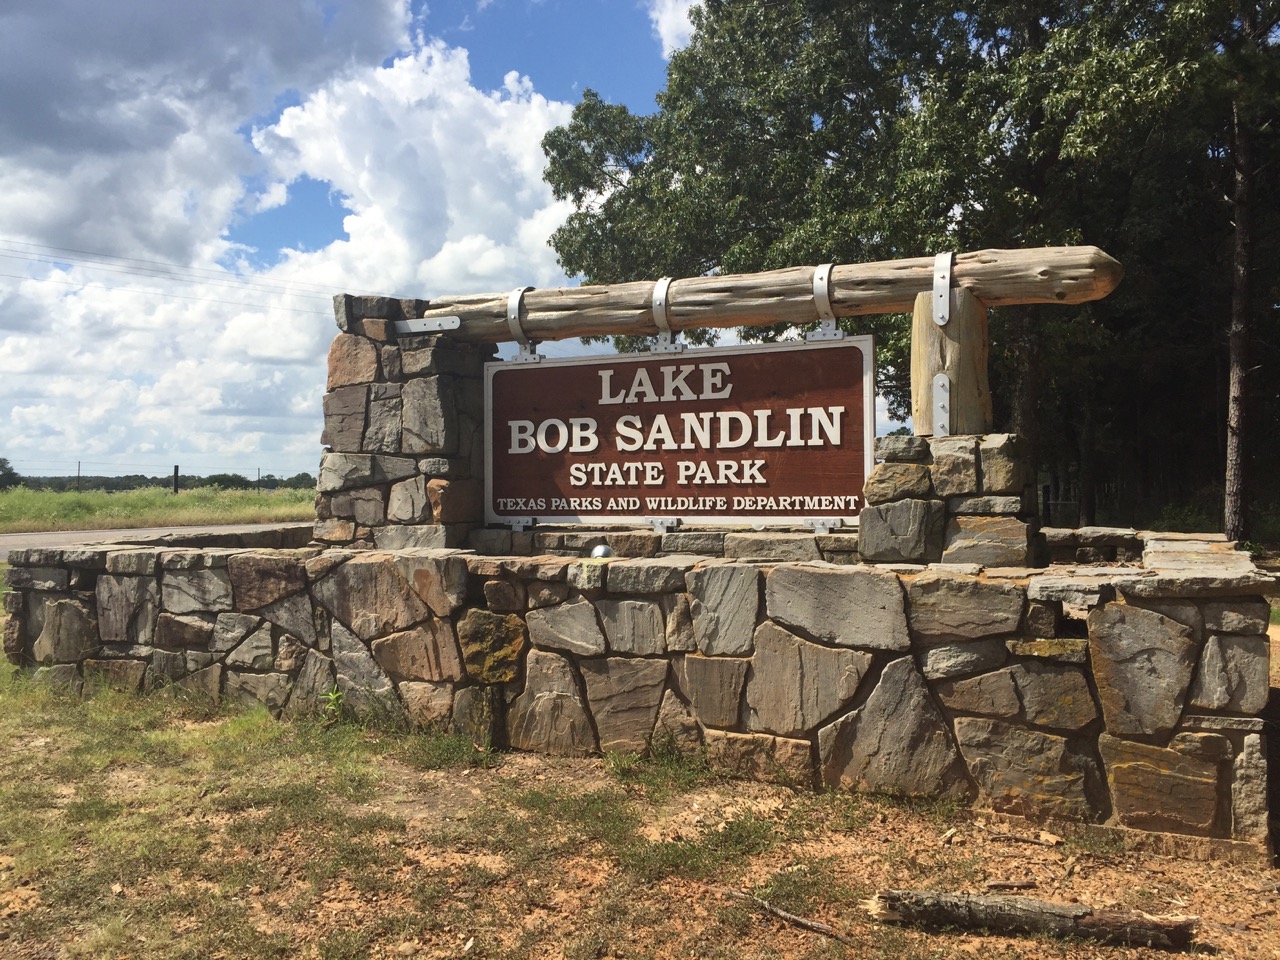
x,y
1028,915
996,277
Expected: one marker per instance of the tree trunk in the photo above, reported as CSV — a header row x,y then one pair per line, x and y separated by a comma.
x,y
1029,915
1235,520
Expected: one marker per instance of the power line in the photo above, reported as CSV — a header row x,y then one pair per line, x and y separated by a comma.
x,y
159,293
193,271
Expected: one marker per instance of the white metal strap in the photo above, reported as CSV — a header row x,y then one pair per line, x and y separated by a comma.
x,y
828,329
662,318
528,349
942,288
941,405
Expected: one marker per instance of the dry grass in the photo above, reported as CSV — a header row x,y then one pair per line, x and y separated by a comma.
x,y
159,829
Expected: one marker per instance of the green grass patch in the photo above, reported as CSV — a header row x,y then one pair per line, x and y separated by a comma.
x,y
31,511
437,750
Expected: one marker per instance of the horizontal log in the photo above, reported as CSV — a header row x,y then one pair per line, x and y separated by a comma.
x,y
1002,914
996,277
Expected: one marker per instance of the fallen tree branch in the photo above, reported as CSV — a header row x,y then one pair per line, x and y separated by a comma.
x,y
995,835
816,926
1028,915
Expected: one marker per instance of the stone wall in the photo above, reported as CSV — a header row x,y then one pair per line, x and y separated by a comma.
x,y
1126,694
403,432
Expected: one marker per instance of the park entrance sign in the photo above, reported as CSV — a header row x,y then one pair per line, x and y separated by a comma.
x,y
763,435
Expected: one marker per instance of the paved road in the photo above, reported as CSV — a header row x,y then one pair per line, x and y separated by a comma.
x,y
63,538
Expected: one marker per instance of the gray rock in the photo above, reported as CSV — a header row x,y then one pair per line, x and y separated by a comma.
x,y
123,676
61,676
196,591
1203,746
254,652
991,694
367,692
204,683
897,742
269,689
70,632
368,595
704,543
571,627
539,594
426,652
651,575
946,607
1029,773
1044,618
290,654
955,466
438,577
907,531
127,608
295,615
44,579
505,596
1054,695
344,412
845,606
429,705
175,631
430,416
724,600
897,481
771,546
899,449
1231,616
713,687
632,626
948,658
366,507
452,469
1005,506
315,681
1003,464
419,536
549,715
408,502
679,618
382,435
1142,665
230,628
796,685
1184,611
761,757
261,579
347,471
990,541
132,562
1200,721
675,729
588,576
1153,788
1249,818
1234,674
624,695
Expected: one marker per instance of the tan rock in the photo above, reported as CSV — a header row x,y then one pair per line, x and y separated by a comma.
x,y
352,359
259,579
950,606
549,715
897,481
1027,772
429,705
370,596
755,756
425,652
1153,788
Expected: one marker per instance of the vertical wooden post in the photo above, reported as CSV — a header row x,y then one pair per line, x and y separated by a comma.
x,y
958,349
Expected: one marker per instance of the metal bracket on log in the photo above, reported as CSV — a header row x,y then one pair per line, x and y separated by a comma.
x,y
519,524
942,288
824,525
528,349
828,329
662,319
663,524
941,405
428,324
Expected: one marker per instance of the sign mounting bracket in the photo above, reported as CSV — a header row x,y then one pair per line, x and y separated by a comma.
x,y
662,319
828,327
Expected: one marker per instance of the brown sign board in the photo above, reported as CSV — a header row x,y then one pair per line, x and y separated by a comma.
x,y
766,435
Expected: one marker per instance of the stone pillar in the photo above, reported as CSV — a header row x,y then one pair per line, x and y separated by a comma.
x,y
403,431
954,499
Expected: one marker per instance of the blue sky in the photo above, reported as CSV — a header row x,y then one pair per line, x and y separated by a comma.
x,y
184,187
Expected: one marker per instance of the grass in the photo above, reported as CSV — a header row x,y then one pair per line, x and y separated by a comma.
x,y
162,829
32,511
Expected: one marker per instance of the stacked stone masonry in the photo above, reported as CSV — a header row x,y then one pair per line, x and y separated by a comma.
x,y
1126,694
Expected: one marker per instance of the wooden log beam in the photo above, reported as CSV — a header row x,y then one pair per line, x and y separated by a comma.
x,y
996,277
1002,914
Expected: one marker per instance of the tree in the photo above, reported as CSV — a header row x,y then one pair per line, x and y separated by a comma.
x,y
795,131
8,476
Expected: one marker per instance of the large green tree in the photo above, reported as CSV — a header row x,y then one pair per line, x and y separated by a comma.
x,y
800,131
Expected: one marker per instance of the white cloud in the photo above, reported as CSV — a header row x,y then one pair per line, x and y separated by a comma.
x,y
670,19
442,182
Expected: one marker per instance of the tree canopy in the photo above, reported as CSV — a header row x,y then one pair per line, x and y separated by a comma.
x,y
805,131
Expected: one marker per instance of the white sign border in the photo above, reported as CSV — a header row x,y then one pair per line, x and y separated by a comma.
x,y
865,343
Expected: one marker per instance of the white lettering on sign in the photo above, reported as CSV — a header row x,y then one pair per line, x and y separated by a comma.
x,y
675,386
579,435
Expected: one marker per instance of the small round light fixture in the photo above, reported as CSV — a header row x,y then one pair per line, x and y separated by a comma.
x,y
601,551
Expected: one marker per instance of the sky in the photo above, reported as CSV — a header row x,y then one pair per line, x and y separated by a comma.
x,y
184,187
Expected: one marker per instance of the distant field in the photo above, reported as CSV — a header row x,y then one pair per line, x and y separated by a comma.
x,y
32,511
